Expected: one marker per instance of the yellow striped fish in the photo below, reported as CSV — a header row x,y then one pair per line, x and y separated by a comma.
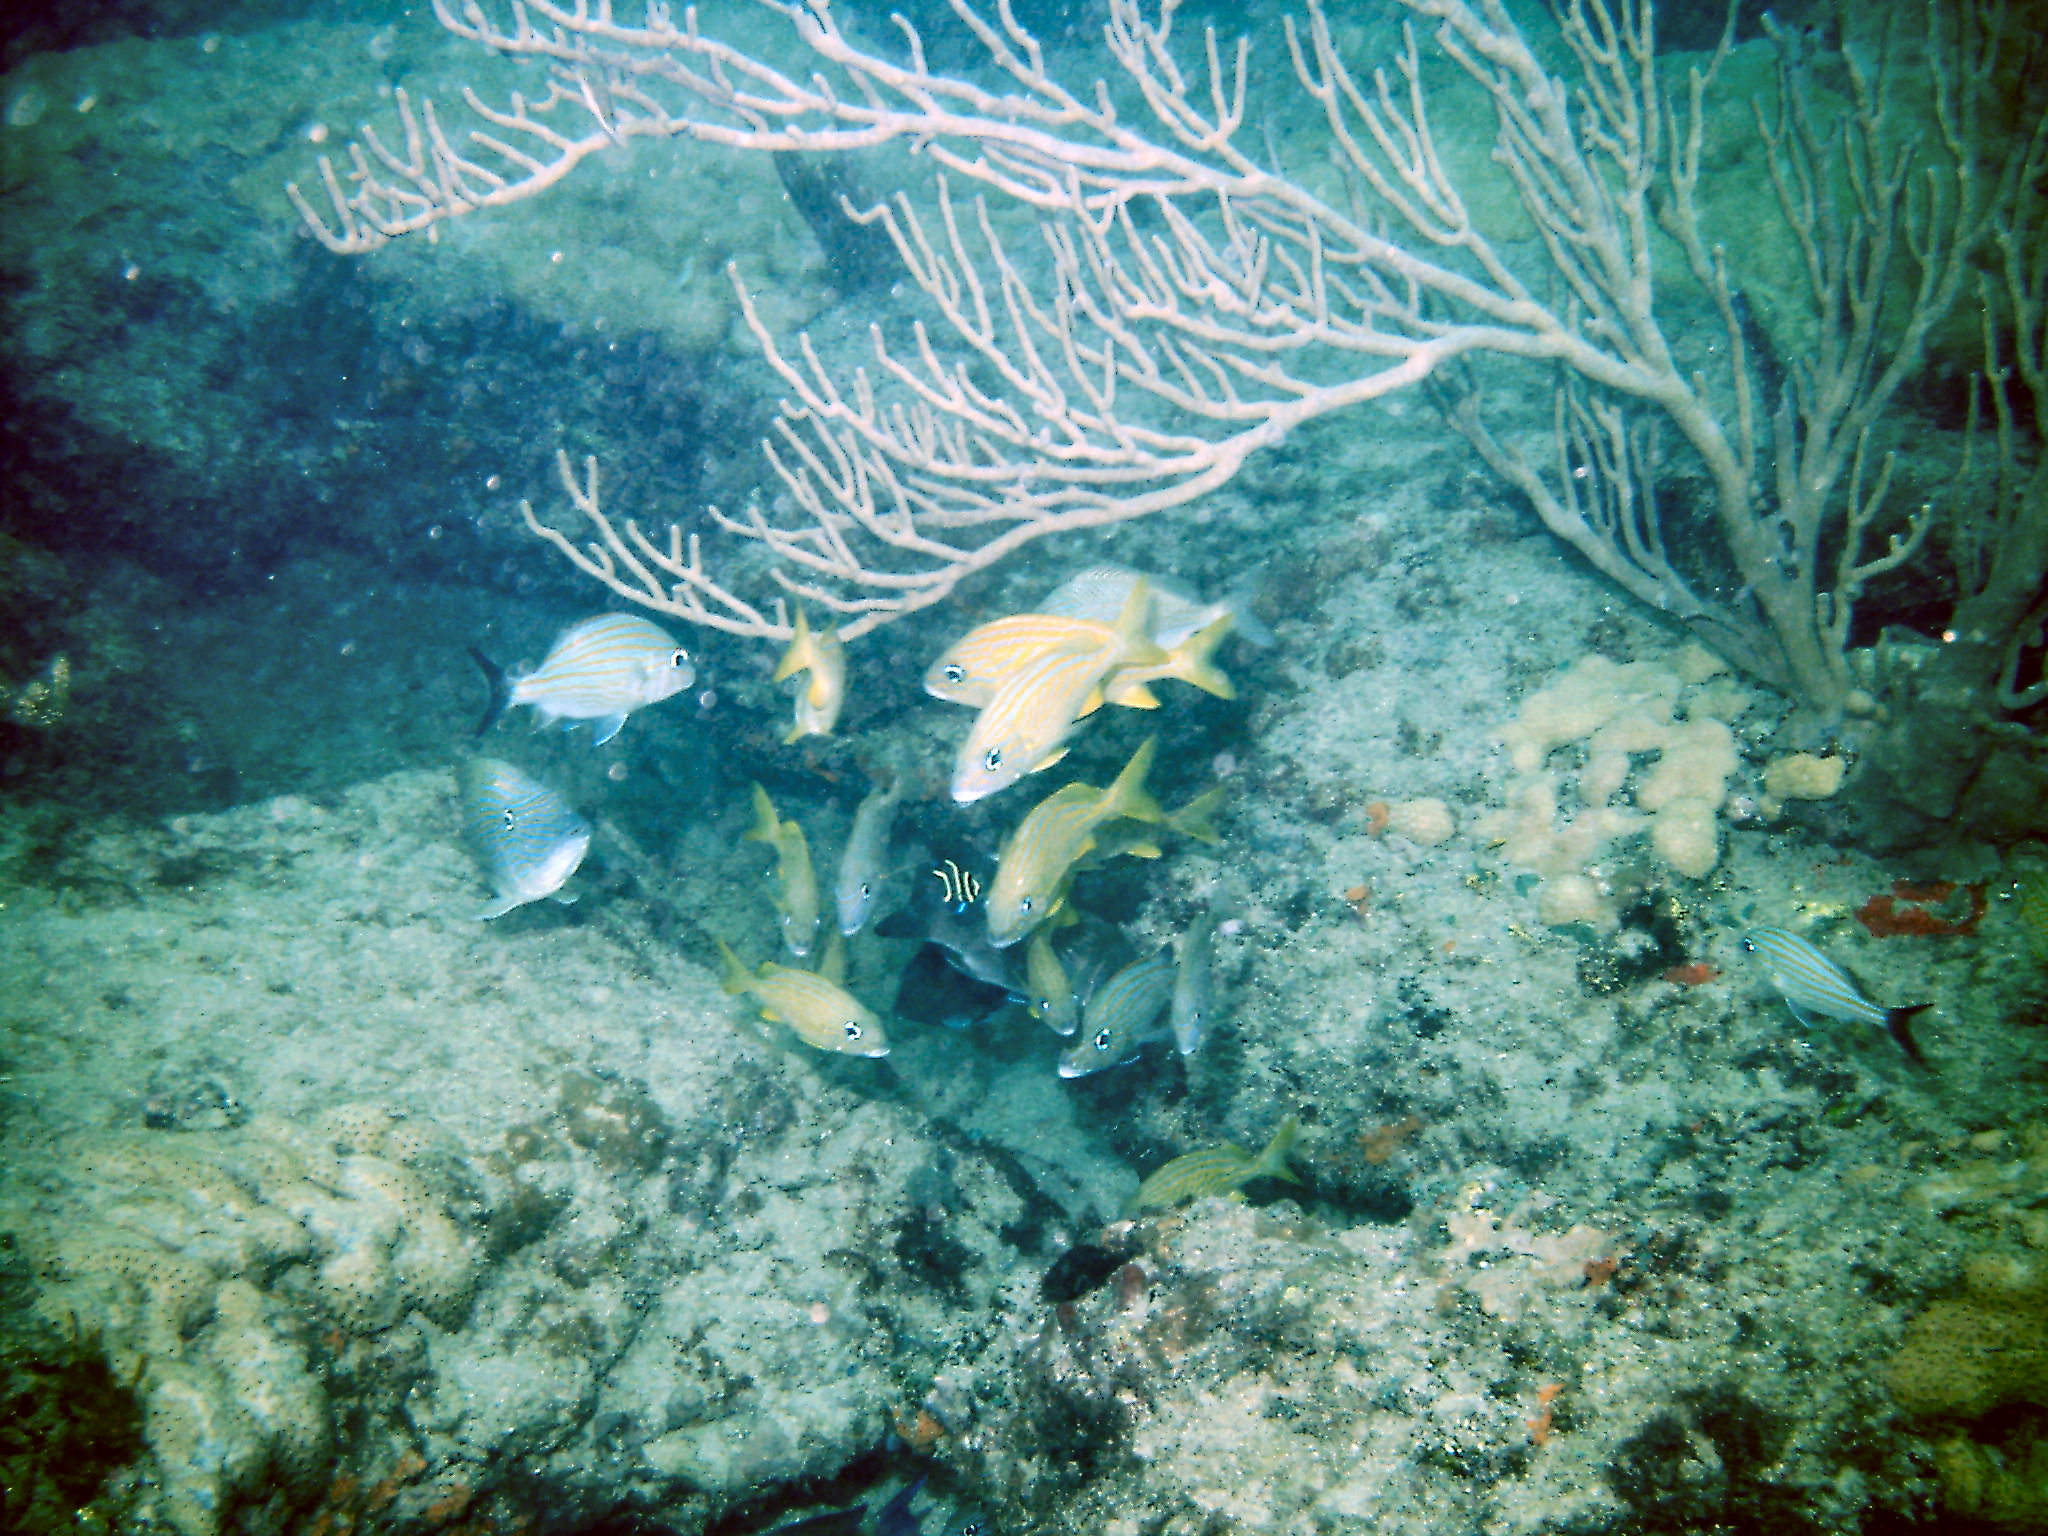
x,y
1117,1019
981,661
1037,858
822,1012
523,834
796,881
823,695
1218,1171
1811,983
1052,1001
600,670
1025,726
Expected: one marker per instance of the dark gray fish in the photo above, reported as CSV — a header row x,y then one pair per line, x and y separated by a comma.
x,y
894,1518
945,909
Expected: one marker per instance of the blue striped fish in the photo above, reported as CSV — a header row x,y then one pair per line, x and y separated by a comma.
x,y
1218,1171
1811,983
523,834
1038,857
600,670
1025,725
1116,1021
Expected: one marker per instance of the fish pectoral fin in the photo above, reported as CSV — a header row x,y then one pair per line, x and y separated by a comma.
x,y
563,899
1805,1019
605,727
497,908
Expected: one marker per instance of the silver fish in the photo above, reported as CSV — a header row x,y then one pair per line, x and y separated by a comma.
x,y
860,865
600,670
523,834
1116,1021
1100,591
1811,983
1194,990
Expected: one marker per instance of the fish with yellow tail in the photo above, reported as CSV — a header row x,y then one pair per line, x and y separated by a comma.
x,y
796,881
821,1011
973,667
1219,1171
1811,983
600,670
823,694
1033,869
523,834
1026,724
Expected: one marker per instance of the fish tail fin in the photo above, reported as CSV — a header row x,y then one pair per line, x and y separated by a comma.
x,y
501,690
766,828
832,963
798,656
736,977
1134,629
1197,819
1192,658
1898,1021
1128,796
1272,1162
1239,599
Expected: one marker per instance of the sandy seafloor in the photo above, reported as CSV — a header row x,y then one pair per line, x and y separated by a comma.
x,y
328,1209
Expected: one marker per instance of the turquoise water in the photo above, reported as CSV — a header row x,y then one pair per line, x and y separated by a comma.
x,y
325,1207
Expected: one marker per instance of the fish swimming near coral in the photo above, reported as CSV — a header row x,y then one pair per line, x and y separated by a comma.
x,y
1052,1000
523,834
1038,858
860,864
974,667
1117,1020
1812,984
821,1011
796,880
823,694
1176,615
600,670
1027,722
1218,1171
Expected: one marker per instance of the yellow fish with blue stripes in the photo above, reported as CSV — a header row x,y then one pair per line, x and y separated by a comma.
x,y
821,1011
1026,724
973,667
1038,858
523,834
600,670
1219,1171
1811,983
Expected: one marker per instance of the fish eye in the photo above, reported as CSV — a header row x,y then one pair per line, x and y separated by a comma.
x,y
852,1029
511,822
866,890
1102,1039
679,657
1749,946
992,759
954,673
1024,904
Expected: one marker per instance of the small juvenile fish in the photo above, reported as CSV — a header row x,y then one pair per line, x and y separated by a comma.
x,y
823,695
600,670
822,1012
1193,986
796,882
1811,983
1037,858
1025,726
860,864
523,834
1052,1001
1218,1171
1117,1018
